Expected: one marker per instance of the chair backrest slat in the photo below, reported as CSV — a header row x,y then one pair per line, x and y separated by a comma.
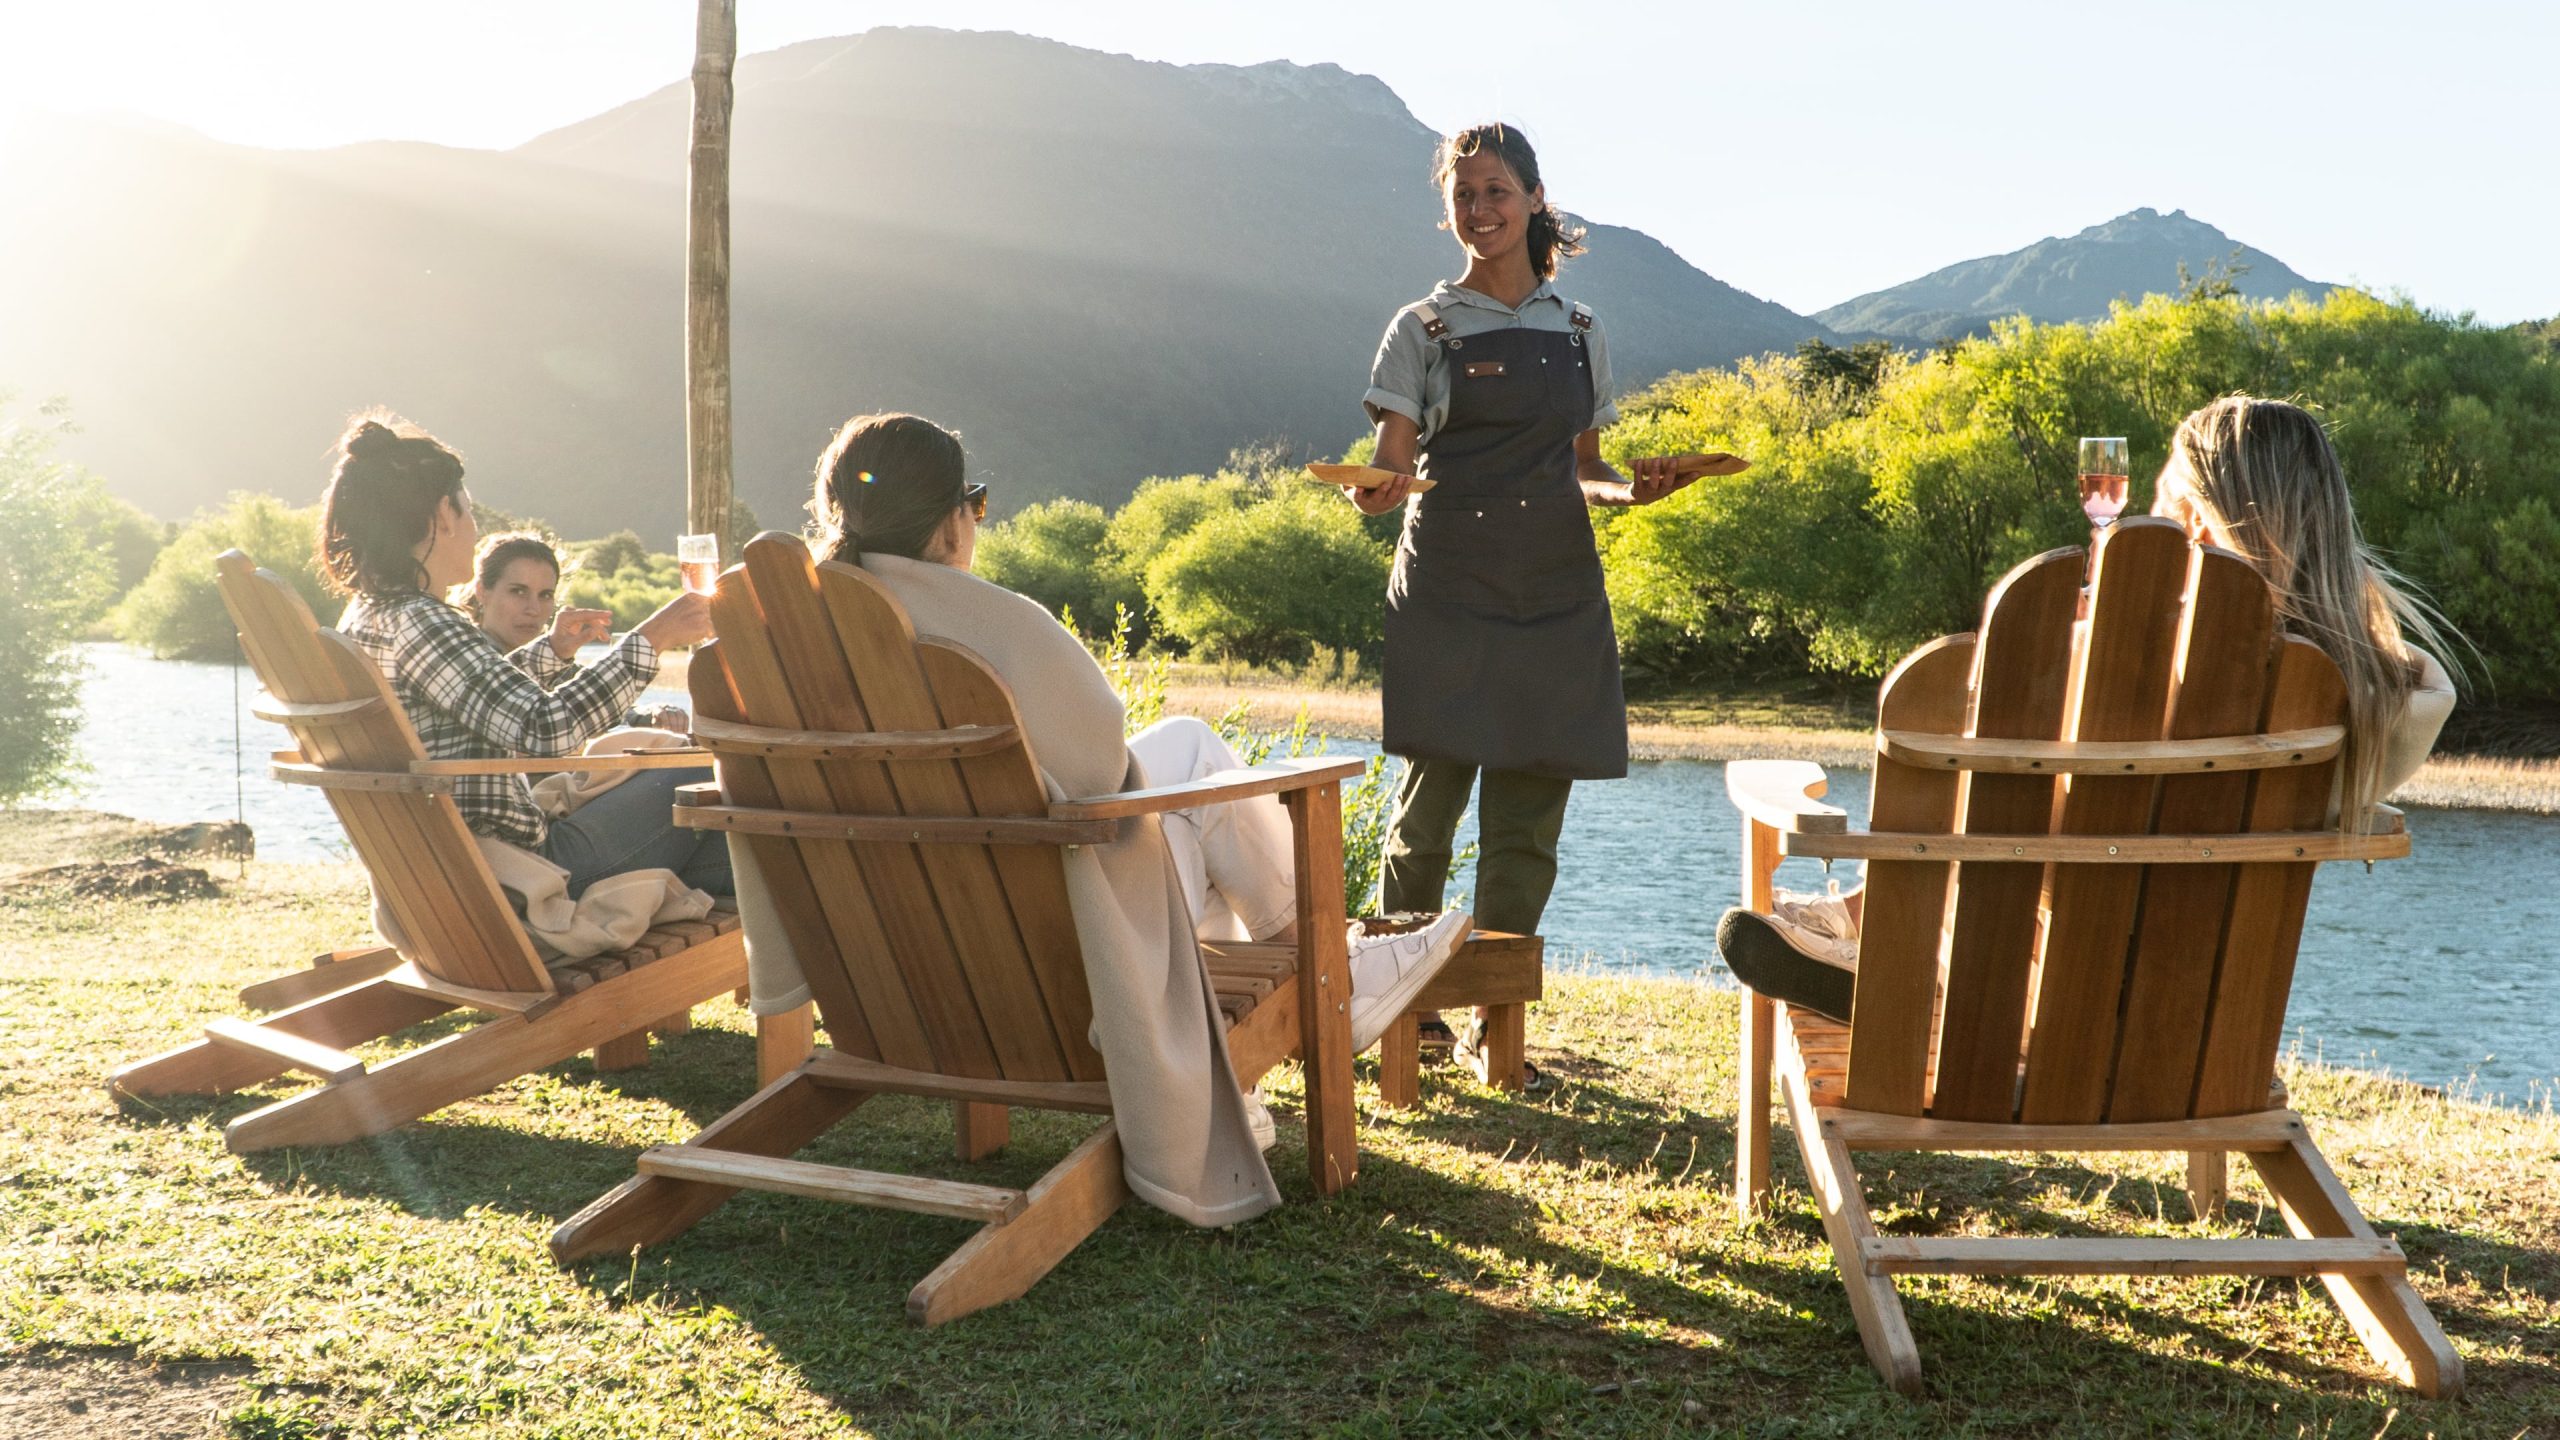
x,y
427,870
960,959
2269,900
1035,883
2076,993
2122,692
1898,954
2021,682
2222,674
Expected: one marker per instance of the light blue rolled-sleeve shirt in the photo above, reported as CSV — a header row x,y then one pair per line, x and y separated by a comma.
x,y
1410,377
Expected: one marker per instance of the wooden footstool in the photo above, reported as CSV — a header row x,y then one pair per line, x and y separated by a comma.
x,y
1496,973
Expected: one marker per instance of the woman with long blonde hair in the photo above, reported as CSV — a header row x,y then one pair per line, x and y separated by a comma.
x,y
2258,478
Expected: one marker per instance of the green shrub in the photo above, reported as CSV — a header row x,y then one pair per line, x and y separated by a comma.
x,y
1161,512
1269,582
620,574
1877,516
176,612
129,540
1049,553
52,579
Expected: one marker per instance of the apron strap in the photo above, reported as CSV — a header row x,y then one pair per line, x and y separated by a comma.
x,y
1583,319
1433,327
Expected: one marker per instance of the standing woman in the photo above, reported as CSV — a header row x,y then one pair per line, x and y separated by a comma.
x,y
1501,661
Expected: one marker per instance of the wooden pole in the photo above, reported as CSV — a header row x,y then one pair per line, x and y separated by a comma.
x,y
706,286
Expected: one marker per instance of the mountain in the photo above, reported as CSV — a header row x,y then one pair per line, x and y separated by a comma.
x,y
2057,279
1095,268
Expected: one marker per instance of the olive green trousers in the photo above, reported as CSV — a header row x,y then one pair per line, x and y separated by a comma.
x,y
1519,818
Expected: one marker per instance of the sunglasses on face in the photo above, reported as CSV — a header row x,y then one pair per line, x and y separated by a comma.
x,y
975,497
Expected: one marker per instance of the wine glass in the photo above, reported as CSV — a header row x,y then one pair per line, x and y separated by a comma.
x,y
698,561
2104,479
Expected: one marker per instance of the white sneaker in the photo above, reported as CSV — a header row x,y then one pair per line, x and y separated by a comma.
x,y
1388,971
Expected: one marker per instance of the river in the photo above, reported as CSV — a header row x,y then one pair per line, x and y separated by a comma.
x,y
2430,967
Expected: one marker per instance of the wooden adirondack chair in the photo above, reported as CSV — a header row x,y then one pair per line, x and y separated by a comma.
x,y
467,952
889,794
2087,869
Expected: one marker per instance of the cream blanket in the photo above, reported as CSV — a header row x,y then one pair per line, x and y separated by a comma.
x,y
1185,1136
615,911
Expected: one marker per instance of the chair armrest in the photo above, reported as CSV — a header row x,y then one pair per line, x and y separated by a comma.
x,y
686,759
1218,789
1779,794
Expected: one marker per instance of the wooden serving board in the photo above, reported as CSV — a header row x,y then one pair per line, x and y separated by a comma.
x,y
1367,477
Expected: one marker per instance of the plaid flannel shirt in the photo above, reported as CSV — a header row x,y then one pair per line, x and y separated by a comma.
x,y
468,700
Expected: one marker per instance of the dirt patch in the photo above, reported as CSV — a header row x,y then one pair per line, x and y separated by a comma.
x,y
59,1397
140,879
37,837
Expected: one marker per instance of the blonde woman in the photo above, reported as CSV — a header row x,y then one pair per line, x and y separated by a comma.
x,y
2259,478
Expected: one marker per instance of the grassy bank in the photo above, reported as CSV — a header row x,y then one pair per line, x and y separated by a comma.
x,y
1562,1264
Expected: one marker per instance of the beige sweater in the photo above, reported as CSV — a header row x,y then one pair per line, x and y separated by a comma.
x,y
1186,1144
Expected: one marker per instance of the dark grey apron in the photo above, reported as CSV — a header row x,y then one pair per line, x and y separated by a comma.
x,y
1500,652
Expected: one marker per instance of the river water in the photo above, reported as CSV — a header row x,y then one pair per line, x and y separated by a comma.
x,y
2431,967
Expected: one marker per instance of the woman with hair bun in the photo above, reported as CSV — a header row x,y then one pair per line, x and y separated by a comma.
x,y
1501,661
396,533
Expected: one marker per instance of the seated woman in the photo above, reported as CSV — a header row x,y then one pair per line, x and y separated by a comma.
x,y
514,596
395,533
891,496
2258,478
515,592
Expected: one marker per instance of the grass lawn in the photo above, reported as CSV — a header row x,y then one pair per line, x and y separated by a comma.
x,y
1562,1264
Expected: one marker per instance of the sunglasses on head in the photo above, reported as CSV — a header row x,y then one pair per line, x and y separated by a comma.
x,y
975,497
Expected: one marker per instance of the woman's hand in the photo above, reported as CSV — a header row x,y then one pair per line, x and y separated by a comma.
x,y
1378,500
1652,477
679,623
1655,476
571,629
672,717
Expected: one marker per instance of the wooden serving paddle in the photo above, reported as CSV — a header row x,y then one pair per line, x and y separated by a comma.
x,y
1366,477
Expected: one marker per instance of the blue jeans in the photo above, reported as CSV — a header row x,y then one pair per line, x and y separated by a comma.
x,y
628,828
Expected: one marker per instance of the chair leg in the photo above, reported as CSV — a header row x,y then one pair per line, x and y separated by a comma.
x,y
1751,1115
981,1129
2208,1182
624,1052
490,1053
651,1209
1324,988
1828,1166
679,1023
1502,1060
342,1019
783,1041
1004,1260
1400,1064
2385,1310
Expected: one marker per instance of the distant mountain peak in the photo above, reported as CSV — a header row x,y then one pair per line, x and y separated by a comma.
x,y
2139,252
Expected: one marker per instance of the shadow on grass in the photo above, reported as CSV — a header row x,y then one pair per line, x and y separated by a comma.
x,y
1459,1287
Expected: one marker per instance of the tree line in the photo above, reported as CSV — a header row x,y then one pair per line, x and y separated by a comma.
x,y
1888,489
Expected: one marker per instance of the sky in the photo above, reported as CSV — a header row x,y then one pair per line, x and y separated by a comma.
x,y
1806,153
